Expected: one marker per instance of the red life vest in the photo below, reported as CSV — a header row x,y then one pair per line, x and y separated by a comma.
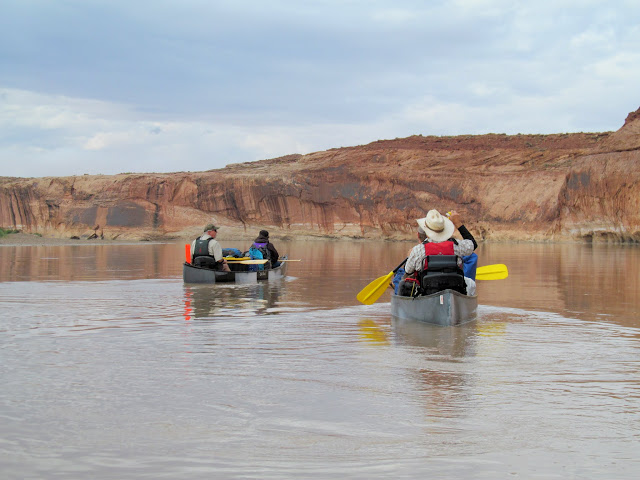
x,y
437,248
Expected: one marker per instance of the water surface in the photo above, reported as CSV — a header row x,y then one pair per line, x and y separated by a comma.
x,y
113,368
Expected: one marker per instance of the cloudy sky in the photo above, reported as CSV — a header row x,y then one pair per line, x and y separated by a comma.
x,y
111,86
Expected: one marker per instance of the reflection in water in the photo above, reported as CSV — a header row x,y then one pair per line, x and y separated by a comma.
x,y
439,384
88,262
372,332
591,282
443,387
208,301
102,377
446,341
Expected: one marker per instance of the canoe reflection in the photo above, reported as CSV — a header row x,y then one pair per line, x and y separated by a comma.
x,y
456,341
207,301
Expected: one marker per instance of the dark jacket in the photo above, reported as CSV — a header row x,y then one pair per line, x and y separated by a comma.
x,y
273,253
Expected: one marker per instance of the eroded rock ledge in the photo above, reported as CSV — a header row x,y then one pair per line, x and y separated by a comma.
x,y
562,187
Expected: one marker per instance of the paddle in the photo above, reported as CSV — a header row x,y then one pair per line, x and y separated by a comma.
x,y
187,254
287,260
492,272
375,289
247,262
372,292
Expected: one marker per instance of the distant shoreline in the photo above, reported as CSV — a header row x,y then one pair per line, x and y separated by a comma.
x,y
33,240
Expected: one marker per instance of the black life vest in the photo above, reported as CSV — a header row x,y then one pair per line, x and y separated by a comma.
x,y
201,248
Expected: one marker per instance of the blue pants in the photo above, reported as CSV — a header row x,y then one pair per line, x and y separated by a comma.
x,y
397,279
469,266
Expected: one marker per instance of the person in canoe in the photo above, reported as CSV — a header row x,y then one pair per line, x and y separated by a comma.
x,y
267,249
436,237
207,252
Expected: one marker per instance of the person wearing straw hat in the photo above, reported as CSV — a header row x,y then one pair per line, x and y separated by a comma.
x,y
435,232
207,252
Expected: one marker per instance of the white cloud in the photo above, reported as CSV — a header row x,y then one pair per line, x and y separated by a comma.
x,y
196,85
594,39
620,66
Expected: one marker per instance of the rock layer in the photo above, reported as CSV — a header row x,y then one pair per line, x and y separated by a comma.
x,y
562,187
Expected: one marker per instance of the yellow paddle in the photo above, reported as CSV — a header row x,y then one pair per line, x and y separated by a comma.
x,y
372,292
247,262
492,272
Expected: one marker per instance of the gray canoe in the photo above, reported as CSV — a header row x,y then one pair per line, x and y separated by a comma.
x,y
445,308
193,274
273,273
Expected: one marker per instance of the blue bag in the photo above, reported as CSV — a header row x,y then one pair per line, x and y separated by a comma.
x,y
231,252
469,266
255,254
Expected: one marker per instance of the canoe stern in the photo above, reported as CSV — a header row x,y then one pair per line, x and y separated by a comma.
x,y
444,308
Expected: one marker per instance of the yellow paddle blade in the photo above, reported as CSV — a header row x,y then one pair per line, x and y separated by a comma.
x,y
492,272
375,289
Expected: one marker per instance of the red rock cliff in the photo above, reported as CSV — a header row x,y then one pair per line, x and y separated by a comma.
x,y
519,187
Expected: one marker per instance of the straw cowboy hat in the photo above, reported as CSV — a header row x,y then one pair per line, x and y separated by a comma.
x,y
437,227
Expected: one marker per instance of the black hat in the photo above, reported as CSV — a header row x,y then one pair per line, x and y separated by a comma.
x,y
264,233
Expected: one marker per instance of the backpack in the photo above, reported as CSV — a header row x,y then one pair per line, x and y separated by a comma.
x,y
255,254
266,254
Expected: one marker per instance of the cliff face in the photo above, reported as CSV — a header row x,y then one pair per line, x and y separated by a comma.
x,y
521,187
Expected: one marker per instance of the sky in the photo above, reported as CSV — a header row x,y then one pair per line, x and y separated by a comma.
x,y
114,86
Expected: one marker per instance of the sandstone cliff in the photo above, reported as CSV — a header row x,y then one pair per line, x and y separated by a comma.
x,y
581,186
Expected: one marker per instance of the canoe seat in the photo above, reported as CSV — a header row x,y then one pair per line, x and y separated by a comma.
x,y
443,272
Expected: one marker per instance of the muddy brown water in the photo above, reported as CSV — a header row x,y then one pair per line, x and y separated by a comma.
x,y
111,367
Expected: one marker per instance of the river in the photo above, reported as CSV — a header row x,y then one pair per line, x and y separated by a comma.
x,y
111,367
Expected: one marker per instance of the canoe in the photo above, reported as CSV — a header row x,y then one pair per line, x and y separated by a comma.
x,y
239,274
445,308
273,273
193,274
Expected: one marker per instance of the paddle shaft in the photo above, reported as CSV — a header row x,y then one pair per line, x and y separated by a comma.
x,y
248,262
375,289
400,266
